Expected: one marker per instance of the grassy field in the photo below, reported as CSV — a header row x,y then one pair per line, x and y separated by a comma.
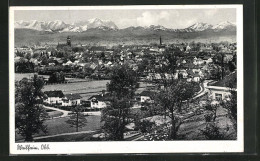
x,y
19,76
81,86
87,88
67,138
54,114
59,126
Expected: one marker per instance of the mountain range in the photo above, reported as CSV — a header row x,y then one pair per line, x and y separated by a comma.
x,y
101,32
106,25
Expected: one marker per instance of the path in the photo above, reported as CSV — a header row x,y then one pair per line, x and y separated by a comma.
x,y
65,113
202,89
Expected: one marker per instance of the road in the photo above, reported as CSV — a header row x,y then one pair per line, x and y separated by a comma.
x,y
202,89
202,92
65,113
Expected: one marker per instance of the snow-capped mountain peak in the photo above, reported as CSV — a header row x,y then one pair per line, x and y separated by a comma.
x,y
58,25
223,25
199,26
158,27
106,25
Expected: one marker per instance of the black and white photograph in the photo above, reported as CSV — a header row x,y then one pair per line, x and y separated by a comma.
x,y
126,79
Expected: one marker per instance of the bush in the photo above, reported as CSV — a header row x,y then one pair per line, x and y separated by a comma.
x,y
144,126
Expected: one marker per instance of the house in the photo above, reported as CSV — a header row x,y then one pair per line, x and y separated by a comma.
x,y
71,99
34,61
195,77
207,59
68,63
54,97
98,101
222,89
183,73
146,96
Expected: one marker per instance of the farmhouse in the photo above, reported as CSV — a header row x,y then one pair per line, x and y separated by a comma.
x,y
71,99
54,97
146,96
98,101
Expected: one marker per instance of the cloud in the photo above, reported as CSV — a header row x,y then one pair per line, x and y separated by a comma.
x,y
154,18
126,22
211,12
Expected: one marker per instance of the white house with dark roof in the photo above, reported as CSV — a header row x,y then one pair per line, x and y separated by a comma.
x,y
98,101
71,99
146,96
54,97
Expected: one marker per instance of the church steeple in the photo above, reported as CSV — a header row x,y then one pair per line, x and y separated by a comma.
x,y
68,41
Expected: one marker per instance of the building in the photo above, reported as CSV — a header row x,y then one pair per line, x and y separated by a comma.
x,y
161,47
222,89
54,97
146,96
62,46
71,100
98,101
68,41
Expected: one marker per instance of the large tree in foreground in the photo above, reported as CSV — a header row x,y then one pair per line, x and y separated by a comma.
x,y
77,118
29,112
124,82
171,98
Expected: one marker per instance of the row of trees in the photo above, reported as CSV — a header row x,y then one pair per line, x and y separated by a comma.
x,y
24,67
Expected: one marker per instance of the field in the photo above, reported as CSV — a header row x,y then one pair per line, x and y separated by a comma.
x,y
86,88
59,126
19,76
83,87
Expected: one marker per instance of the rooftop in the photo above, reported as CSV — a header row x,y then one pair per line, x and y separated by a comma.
x,y
73,96
54,94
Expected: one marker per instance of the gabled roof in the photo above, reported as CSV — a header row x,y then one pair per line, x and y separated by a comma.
x,y
73,96
54,94
192,74
147,93
100,97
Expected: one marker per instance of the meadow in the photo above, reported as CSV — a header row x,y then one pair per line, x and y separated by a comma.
x,y
59,126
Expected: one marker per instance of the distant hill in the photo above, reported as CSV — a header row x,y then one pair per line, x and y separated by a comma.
x,y
96,31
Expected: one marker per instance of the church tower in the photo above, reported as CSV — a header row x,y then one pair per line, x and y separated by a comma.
x,y
68,41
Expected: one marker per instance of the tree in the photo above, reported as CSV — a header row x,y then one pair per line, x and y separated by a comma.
x,y
171,98
124,82
29,112
44,60
230,103
211,132
77,118
56,77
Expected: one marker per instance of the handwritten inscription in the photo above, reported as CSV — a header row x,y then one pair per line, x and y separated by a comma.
x,y
29,147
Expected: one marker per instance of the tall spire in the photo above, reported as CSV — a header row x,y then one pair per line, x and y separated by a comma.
x,y
68,41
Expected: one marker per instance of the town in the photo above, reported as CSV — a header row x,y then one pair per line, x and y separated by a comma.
x,y
79,75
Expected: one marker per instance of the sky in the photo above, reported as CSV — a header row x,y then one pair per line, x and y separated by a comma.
x,y
170,18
